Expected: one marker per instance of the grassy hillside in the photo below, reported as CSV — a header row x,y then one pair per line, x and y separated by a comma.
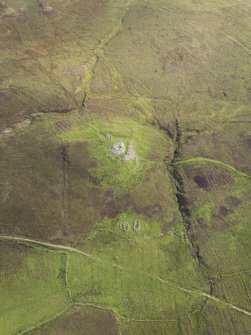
x,y
125,171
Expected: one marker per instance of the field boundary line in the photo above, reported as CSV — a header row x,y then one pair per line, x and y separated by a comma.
x,y
46,244
209,296
169,282
202,160
66,277
113,311
41,324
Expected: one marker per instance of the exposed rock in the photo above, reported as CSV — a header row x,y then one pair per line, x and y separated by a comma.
x,y
6,131
36,116
9,131
125,226
118,149
23,124
9,12
47,10
131,154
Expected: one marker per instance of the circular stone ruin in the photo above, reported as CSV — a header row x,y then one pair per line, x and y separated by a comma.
x,y
118,149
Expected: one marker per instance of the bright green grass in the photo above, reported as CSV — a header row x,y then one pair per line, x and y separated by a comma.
x,y
151,145
125,276
130,293
192,59
132,227
145,249
32,287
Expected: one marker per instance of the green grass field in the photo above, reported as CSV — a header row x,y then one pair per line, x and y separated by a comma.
x,y
32,287
97,244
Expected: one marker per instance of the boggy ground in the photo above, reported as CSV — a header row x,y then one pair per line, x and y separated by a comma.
x,y
97,244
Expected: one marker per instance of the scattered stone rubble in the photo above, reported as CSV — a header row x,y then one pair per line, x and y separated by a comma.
x,y
45,7
9,131
131,154
7,12
119,149
47,10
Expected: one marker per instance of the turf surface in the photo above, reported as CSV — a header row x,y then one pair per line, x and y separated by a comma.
x,y
97,244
